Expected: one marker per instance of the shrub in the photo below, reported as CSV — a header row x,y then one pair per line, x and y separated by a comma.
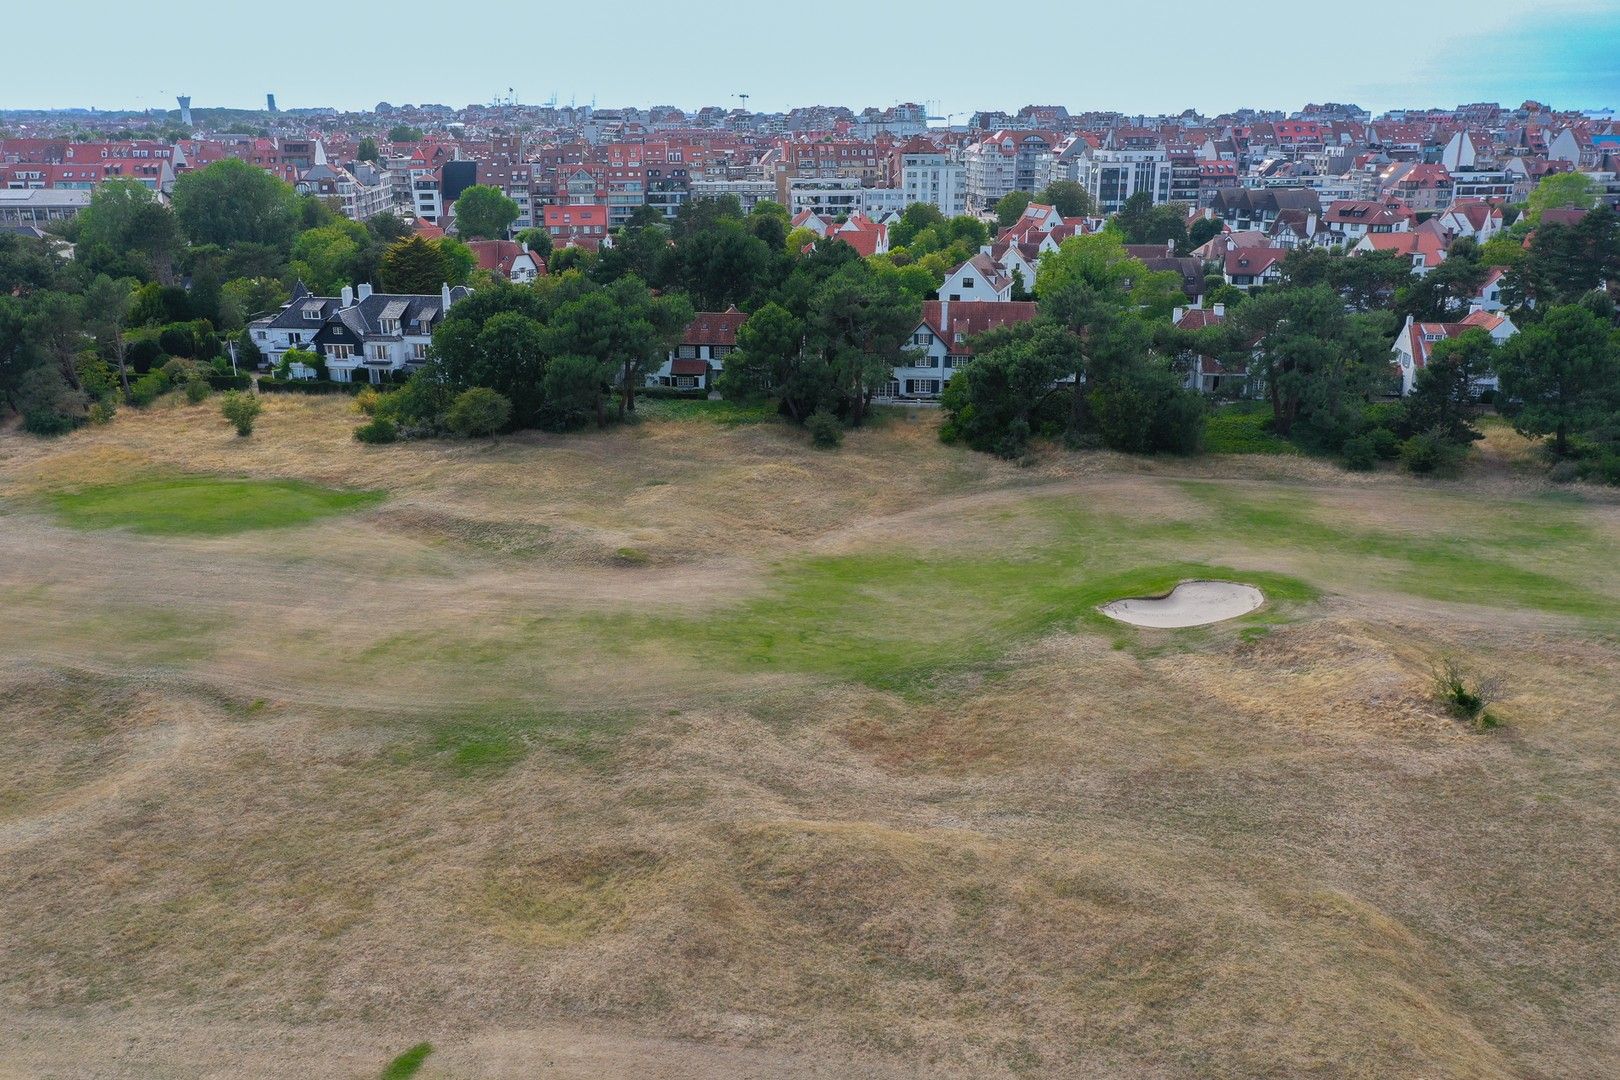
x,y
1386,445
1565,472
825,430
1359,455
197,389
229,382
142,352
241,409
1466,698
1605,469
377,431
102,412
148,388
178,369
46,422
478,411
271,385
365,402
1430,452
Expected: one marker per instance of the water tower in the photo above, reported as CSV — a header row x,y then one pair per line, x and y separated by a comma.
x,y
185,110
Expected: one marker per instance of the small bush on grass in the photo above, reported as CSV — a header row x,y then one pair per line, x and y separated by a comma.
x,y
380,430
197,389
1565,472
148,388
825,430
46,422
1386,445
102,412
1359,455
1464,697
479,411
1430,452
241,409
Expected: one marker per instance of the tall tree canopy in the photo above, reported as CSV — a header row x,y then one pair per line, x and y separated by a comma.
x,y
484,212
232,202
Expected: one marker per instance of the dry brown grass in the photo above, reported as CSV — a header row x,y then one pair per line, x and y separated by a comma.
x,y
231,846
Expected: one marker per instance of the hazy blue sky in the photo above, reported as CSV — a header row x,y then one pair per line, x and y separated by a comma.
x,y
1135,57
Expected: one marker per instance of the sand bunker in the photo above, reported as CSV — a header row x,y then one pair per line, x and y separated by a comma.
x,y
1192,603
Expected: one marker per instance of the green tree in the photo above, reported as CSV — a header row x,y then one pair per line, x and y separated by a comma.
x,y
242,299
241,408
1564,262
624,327
1559,191
1068,198
721,264
368,150
573,391
1314,361
459,261
484,212
1203,231
992,404
1560,376
858,329
1141,222
536,240
913,220
333,256
479,410
106,307
497,339
232,202
126,232
1010,207
404,133
414,266
1443,391
769,344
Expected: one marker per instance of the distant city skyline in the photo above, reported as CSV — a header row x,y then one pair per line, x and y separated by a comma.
x,y
1264,54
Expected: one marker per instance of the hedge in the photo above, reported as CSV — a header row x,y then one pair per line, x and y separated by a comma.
x,y
269,384
217,381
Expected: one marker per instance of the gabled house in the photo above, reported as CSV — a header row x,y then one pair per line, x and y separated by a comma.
x,y
979,278
1474,218
508,258
372,335
1424,247
1416,341
1247,267
941,345
1205,373
701,353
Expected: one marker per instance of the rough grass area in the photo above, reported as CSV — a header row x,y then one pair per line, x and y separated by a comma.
x,y
682,750
1244,427
204,505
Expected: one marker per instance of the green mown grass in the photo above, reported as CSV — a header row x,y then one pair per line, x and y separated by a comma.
x,y
728,413
204,505
1476,560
